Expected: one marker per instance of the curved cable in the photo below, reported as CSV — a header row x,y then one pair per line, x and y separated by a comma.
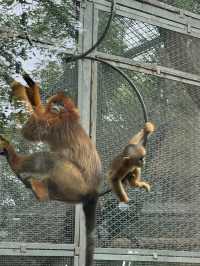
x,y
84,54
135,89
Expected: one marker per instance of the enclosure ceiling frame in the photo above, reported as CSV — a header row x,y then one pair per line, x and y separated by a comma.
x,y
156,13
150,69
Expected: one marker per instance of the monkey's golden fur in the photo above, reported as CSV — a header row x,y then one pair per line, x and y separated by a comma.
x,y
130,160
71,171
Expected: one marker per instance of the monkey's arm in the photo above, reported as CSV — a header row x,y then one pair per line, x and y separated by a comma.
x,y
116,176
135,180
140,137
35,91
29,96
20,93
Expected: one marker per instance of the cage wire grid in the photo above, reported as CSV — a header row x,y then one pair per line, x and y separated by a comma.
x,y
22,218
33,261
155,220
166,218
146,43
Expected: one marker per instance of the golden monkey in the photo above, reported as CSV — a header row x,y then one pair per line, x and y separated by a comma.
x,y
71,171
130,160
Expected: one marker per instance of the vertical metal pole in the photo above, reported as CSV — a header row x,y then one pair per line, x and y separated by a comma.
x,y
77,233
84,96
94,81
84,67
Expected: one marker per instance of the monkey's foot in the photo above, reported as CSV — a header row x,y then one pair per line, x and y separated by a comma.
x,y
3,143
124,198
40,190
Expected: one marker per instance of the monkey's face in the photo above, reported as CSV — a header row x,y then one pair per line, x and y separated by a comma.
x,y
57,108
134,155
60,105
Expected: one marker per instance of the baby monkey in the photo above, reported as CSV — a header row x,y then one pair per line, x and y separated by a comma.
x,y
129,162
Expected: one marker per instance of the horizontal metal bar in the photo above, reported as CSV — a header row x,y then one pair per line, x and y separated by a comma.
x,y
154,3
37,245
150,69
147,255
36,249
37,253
153,258
147,252
172,18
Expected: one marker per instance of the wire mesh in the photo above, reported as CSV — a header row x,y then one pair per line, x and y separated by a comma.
x,y
168,216
22,218
33,261
146,43
193,5
165,218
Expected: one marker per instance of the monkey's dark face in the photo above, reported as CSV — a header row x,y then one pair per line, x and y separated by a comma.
x,y
140,161
134,155
62,106
57,107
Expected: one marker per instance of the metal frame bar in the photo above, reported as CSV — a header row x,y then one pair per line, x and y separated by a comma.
x,y
150,69
147,255
36,249
84,97
93,115
156,13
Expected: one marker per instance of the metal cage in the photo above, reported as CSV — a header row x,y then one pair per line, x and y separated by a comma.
x,y
157,46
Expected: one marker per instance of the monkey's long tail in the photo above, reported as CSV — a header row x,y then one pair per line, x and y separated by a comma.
x,y
89,208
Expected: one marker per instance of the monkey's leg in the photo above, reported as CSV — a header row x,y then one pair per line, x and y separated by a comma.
x,y
39,188
64,182
36,163
135,181
117,186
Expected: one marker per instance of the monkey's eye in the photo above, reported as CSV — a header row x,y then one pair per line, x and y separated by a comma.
x,y
141,159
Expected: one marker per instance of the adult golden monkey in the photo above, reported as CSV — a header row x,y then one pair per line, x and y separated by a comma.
x,y
71,171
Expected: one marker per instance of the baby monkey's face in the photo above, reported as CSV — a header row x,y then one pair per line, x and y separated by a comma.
x,y
135,155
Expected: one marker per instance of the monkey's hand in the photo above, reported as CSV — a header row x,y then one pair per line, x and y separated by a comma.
x,y
3,145
140,184
149,127
145,185
134,179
